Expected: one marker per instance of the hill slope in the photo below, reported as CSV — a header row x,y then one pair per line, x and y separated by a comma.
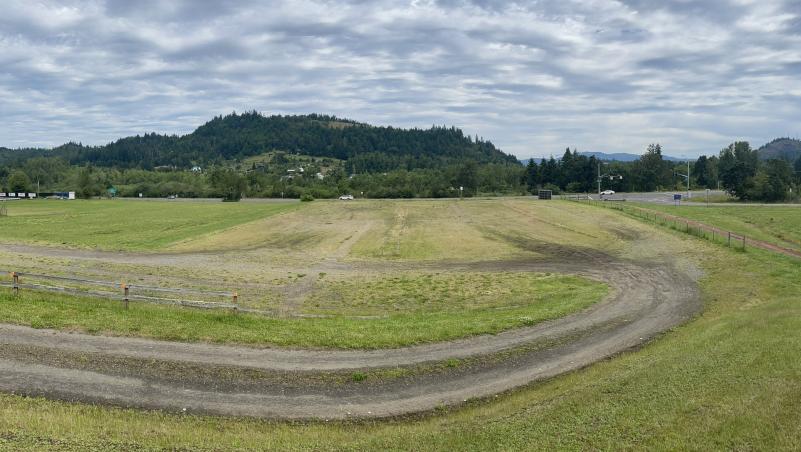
x,y
366,148
781,148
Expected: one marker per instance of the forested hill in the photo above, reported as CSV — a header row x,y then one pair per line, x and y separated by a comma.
x,y
788,149
366,148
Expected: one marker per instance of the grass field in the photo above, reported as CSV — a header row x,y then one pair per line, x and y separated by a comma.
x,y
387,230
730,379
125,225
535,298
452,293
420,230
780,225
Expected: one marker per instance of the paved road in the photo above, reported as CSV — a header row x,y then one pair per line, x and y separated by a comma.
x,y
698,196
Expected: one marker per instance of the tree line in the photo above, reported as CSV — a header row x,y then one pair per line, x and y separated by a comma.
x,y
236,136
324,157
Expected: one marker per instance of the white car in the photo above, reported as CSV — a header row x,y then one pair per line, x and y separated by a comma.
x,y
346,197
607,192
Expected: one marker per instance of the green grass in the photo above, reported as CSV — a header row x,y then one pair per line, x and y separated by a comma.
x,y
444,292
125,225
476,229
728,380
562,295
780,225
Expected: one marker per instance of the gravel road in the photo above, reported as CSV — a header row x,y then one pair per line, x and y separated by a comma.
x,y
646,299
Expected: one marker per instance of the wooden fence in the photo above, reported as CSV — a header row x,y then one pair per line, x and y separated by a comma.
x,y
125,293
692,227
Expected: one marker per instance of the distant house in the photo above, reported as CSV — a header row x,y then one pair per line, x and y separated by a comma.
x,y
320,176
197,169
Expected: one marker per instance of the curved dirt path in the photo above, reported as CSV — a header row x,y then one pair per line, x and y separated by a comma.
x,y
646,299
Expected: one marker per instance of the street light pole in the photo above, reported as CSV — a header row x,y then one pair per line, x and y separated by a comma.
x,y
685,175
599,178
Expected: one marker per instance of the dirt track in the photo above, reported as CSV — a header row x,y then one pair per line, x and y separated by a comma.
x,y
647,299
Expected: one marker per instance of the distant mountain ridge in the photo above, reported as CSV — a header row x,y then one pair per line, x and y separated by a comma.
x,y
237,136
781,148
616,156
624,157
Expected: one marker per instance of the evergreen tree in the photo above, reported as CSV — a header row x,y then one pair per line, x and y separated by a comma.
x,y
651,170
773,182
797,171
531,176
467,178
737,167
18,182
700,171
86,187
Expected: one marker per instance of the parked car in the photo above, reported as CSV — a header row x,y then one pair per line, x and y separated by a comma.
x,y
607,192
346,197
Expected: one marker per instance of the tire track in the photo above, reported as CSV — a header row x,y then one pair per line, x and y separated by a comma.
x,y
646,299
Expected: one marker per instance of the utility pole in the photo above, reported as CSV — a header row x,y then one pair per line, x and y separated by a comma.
x,y
687,176
599,178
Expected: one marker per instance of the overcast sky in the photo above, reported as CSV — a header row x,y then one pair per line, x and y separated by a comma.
x,y
532,77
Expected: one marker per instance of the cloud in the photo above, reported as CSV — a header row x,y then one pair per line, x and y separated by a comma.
x,y
533,77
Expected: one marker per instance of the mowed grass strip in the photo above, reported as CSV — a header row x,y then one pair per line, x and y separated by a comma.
x,y
454,230
728,380
446,292
780,225
43,310
125,225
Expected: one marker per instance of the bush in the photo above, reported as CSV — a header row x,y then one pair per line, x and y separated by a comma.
x,y
306,197
575,187
554,188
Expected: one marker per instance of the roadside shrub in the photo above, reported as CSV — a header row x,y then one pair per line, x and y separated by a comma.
x,y
306,197
554,188
574,187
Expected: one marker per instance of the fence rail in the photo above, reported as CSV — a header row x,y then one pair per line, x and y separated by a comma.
x,y
126,293
693,227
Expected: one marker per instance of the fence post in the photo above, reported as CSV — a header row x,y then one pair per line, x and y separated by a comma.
x,y
125,295
15,283
235,299
729,241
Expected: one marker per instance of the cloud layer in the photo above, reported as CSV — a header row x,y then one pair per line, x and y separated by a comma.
x,y
533,77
